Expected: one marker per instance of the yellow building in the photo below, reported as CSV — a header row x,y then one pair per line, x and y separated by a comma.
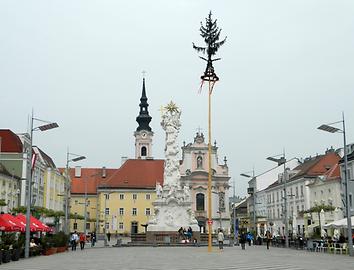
x,y
120,199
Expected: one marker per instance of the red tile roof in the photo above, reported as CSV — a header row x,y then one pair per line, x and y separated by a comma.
x,y
10,142
136,173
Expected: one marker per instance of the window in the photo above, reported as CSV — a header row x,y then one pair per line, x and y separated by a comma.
x,y
199,162
106,196
277,197
76,202
135,196
147,212
88,202
291,191
278,213
121,211
134,212
302,191
200,201
273,197
147,196
107,225
297,192
121,226
143,151
75,226
121,196
88,226
107,211
297,209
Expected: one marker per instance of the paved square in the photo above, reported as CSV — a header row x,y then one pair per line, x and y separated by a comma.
x,y
178,258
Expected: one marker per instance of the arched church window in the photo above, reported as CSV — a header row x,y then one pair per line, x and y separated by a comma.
x,y
199,162
143,151
200,201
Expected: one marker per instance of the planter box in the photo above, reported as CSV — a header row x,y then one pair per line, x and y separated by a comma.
x,y
16,253
61,249
50,251
6,256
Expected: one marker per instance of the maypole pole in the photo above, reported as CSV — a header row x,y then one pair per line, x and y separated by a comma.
x,y
211,34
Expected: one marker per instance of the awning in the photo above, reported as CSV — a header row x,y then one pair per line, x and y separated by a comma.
x,y
35,224
339,224
8,225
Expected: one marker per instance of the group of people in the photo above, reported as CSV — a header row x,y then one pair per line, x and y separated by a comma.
x,y
248,237
81,239
186,235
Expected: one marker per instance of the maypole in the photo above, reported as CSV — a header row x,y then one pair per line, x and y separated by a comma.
x,y
211,34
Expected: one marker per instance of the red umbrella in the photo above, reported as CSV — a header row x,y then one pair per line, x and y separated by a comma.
x,y
9,224
35,224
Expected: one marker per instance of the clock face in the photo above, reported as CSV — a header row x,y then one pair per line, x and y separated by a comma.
x,y
143,135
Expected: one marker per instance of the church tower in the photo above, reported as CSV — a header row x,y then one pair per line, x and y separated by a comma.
x,y
143,134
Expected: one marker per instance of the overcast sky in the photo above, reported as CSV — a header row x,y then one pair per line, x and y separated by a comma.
x,y
286,68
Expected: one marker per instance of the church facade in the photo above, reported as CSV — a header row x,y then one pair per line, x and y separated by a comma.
x,y
194,173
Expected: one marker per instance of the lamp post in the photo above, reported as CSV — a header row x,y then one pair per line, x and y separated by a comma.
x,y
282,161
30,163
67,186
331,129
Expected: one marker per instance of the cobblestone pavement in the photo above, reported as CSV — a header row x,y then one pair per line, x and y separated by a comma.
x,y
178,258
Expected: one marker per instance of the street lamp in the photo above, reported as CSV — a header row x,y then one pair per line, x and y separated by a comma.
x,y
331,129
282,161
30,163
67,186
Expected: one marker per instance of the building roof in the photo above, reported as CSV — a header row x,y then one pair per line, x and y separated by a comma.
x,y
325,165
136,173
47,159
90,177
10,142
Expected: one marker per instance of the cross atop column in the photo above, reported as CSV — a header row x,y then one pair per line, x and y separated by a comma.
x,y
199,130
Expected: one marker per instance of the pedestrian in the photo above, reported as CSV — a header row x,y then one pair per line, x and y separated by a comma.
x,y
93,239
82,240
243,240
109,236
74,239
269,238
221,239
249,238
190,233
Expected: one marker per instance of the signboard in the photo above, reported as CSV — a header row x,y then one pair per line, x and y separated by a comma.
x,y
210,222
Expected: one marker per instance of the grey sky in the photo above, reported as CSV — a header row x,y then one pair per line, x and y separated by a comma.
x,y
286,68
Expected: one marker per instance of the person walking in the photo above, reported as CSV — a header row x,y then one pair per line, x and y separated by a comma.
x,y
93,239
243,240
74,239
269,238
82,240
109,236
221,239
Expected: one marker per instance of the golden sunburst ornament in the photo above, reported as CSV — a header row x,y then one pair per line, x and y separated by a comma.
x,y
171,107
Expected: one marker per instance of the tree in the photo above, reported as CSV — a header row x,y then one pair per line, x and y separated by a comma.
x,y
211,35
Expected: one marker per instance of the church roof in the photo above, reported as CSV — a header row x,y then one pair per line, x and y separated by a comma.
x,y
143,118
10,142
136,173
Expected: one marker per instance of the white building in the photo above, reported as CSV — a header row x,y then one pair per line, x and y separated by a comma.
x,y
194,173
298,193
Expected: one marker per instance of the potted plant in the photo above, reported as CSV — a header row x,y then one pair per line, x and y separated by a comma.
x,y
17,247
6,241
61,241
48,245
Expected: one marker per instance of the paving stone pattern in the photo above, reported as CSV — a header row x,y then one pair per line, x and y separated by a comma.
x,y
180,258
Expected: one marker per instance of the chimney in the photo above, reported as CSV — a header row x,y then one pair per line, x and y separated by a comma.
x,y
104,173
78,171
124,159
